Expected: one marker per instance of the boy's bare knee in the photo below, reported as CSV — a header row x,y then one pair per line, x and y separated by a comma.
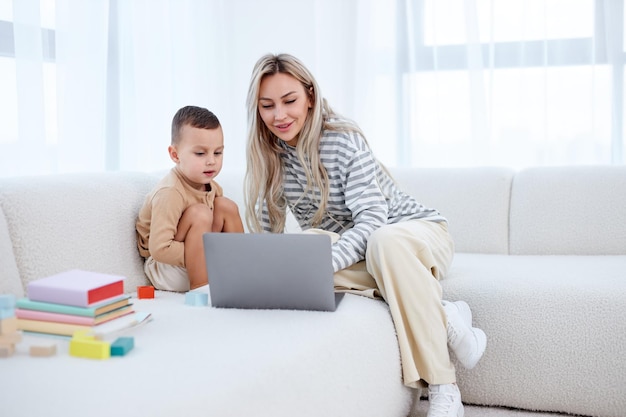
x,y
226,206
199,214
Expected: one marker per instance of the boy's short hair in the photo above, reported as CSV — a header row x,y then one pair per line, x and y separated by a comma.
x,y
195,117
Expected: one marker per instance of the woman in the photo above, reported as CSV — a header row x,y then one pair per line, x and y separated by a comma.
x,y
303,156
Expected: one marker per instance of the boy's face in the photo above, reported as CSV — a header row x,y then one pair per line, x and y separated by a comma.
x,y
198,154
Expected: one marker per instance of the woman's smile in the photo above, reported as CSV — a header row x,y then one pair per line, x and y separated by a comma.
x,y
284,127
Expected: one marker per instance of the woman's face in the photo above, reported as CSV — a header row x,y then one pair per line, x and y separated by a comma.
x,y
283,106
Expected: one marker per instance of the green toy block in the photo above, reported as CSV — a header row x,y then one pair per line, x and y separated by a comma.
x,y
122,346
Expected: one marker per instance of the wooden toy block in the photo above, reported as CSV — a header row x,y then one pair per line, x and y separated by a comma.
x,y
11,338
145,291
45,350
5,313
7,301
196,299
92,349
6,350
122,345
8,325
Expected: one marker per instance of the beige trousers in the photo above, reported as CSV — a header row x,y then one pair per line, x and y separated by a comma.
x,y
403,264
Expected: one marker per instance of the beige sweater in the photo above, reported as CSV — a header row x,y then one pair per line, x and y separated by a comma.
x,y
158,218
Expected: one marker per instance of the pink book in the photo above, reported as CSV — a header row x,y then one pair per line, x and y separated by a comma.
x,y
76,288
71,319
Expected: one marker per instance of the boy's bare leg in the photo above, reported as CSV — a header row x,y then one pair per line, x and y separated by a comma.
x,y
195,221
226,216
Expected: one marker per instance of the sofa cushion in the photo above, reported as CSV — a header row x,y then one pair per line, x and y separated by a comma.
x,y
569,211
84,221
10,282
202,361
555,329
481,224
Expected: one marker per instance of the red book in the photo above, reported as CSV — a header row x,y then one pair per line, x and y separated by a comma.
x,y
76,288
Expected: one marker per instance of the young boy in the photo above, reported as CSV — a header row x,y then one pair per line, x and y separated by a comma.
x,y
185,204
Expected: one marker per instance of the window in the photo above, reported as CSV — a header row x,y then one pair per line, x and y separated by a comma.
x,y
89,86
28,34
517,83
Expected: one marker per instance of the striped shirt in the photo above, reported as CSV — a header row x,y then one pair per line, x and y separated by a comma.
x,y
362,196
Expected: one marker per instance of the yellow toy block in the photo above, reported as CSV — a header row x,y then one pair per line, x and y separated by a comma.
x,y
8,325
93,349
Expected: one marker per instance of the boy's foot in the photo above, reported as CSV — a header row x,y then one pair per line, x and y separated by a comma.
x,y
444,401
468,343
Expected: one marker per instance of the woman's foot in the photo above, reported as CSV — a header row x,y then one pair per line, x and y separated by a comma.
x,y
468,343
444,401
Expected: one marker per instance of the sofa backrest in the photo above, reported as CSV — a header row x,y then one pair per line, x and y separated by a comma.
x,y
10,282
83,221
475,201
569,211
49,224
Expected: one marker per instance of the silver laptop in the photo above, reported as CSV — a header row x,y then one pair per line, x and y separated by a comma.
x,y
270,271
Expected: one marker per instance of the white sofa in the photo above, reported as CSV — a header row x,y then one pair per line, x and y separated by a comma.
x,y
541,259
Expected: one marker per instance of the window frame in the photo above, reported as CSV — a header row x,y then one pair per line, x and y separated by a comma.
x,y
7,41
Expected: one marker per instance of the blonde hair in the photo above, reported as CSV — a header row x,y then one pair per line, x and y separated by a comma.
x,y
264,172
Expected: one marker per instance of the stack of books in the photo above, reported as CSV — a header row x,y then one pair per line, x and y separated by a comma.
x,y
75,300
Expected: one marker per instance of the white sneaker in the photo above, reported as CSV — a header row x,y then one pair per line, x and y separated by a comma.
x,y
445,401
468,343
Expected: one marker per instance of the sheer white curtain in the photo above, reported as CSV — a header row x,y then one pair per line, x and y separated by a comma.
x,y
92,86
515,83
174,53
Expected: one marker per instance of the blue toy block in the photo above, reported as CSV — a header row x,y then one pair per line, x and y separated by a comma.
x,y
122,346
7,301
196,299
5,313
